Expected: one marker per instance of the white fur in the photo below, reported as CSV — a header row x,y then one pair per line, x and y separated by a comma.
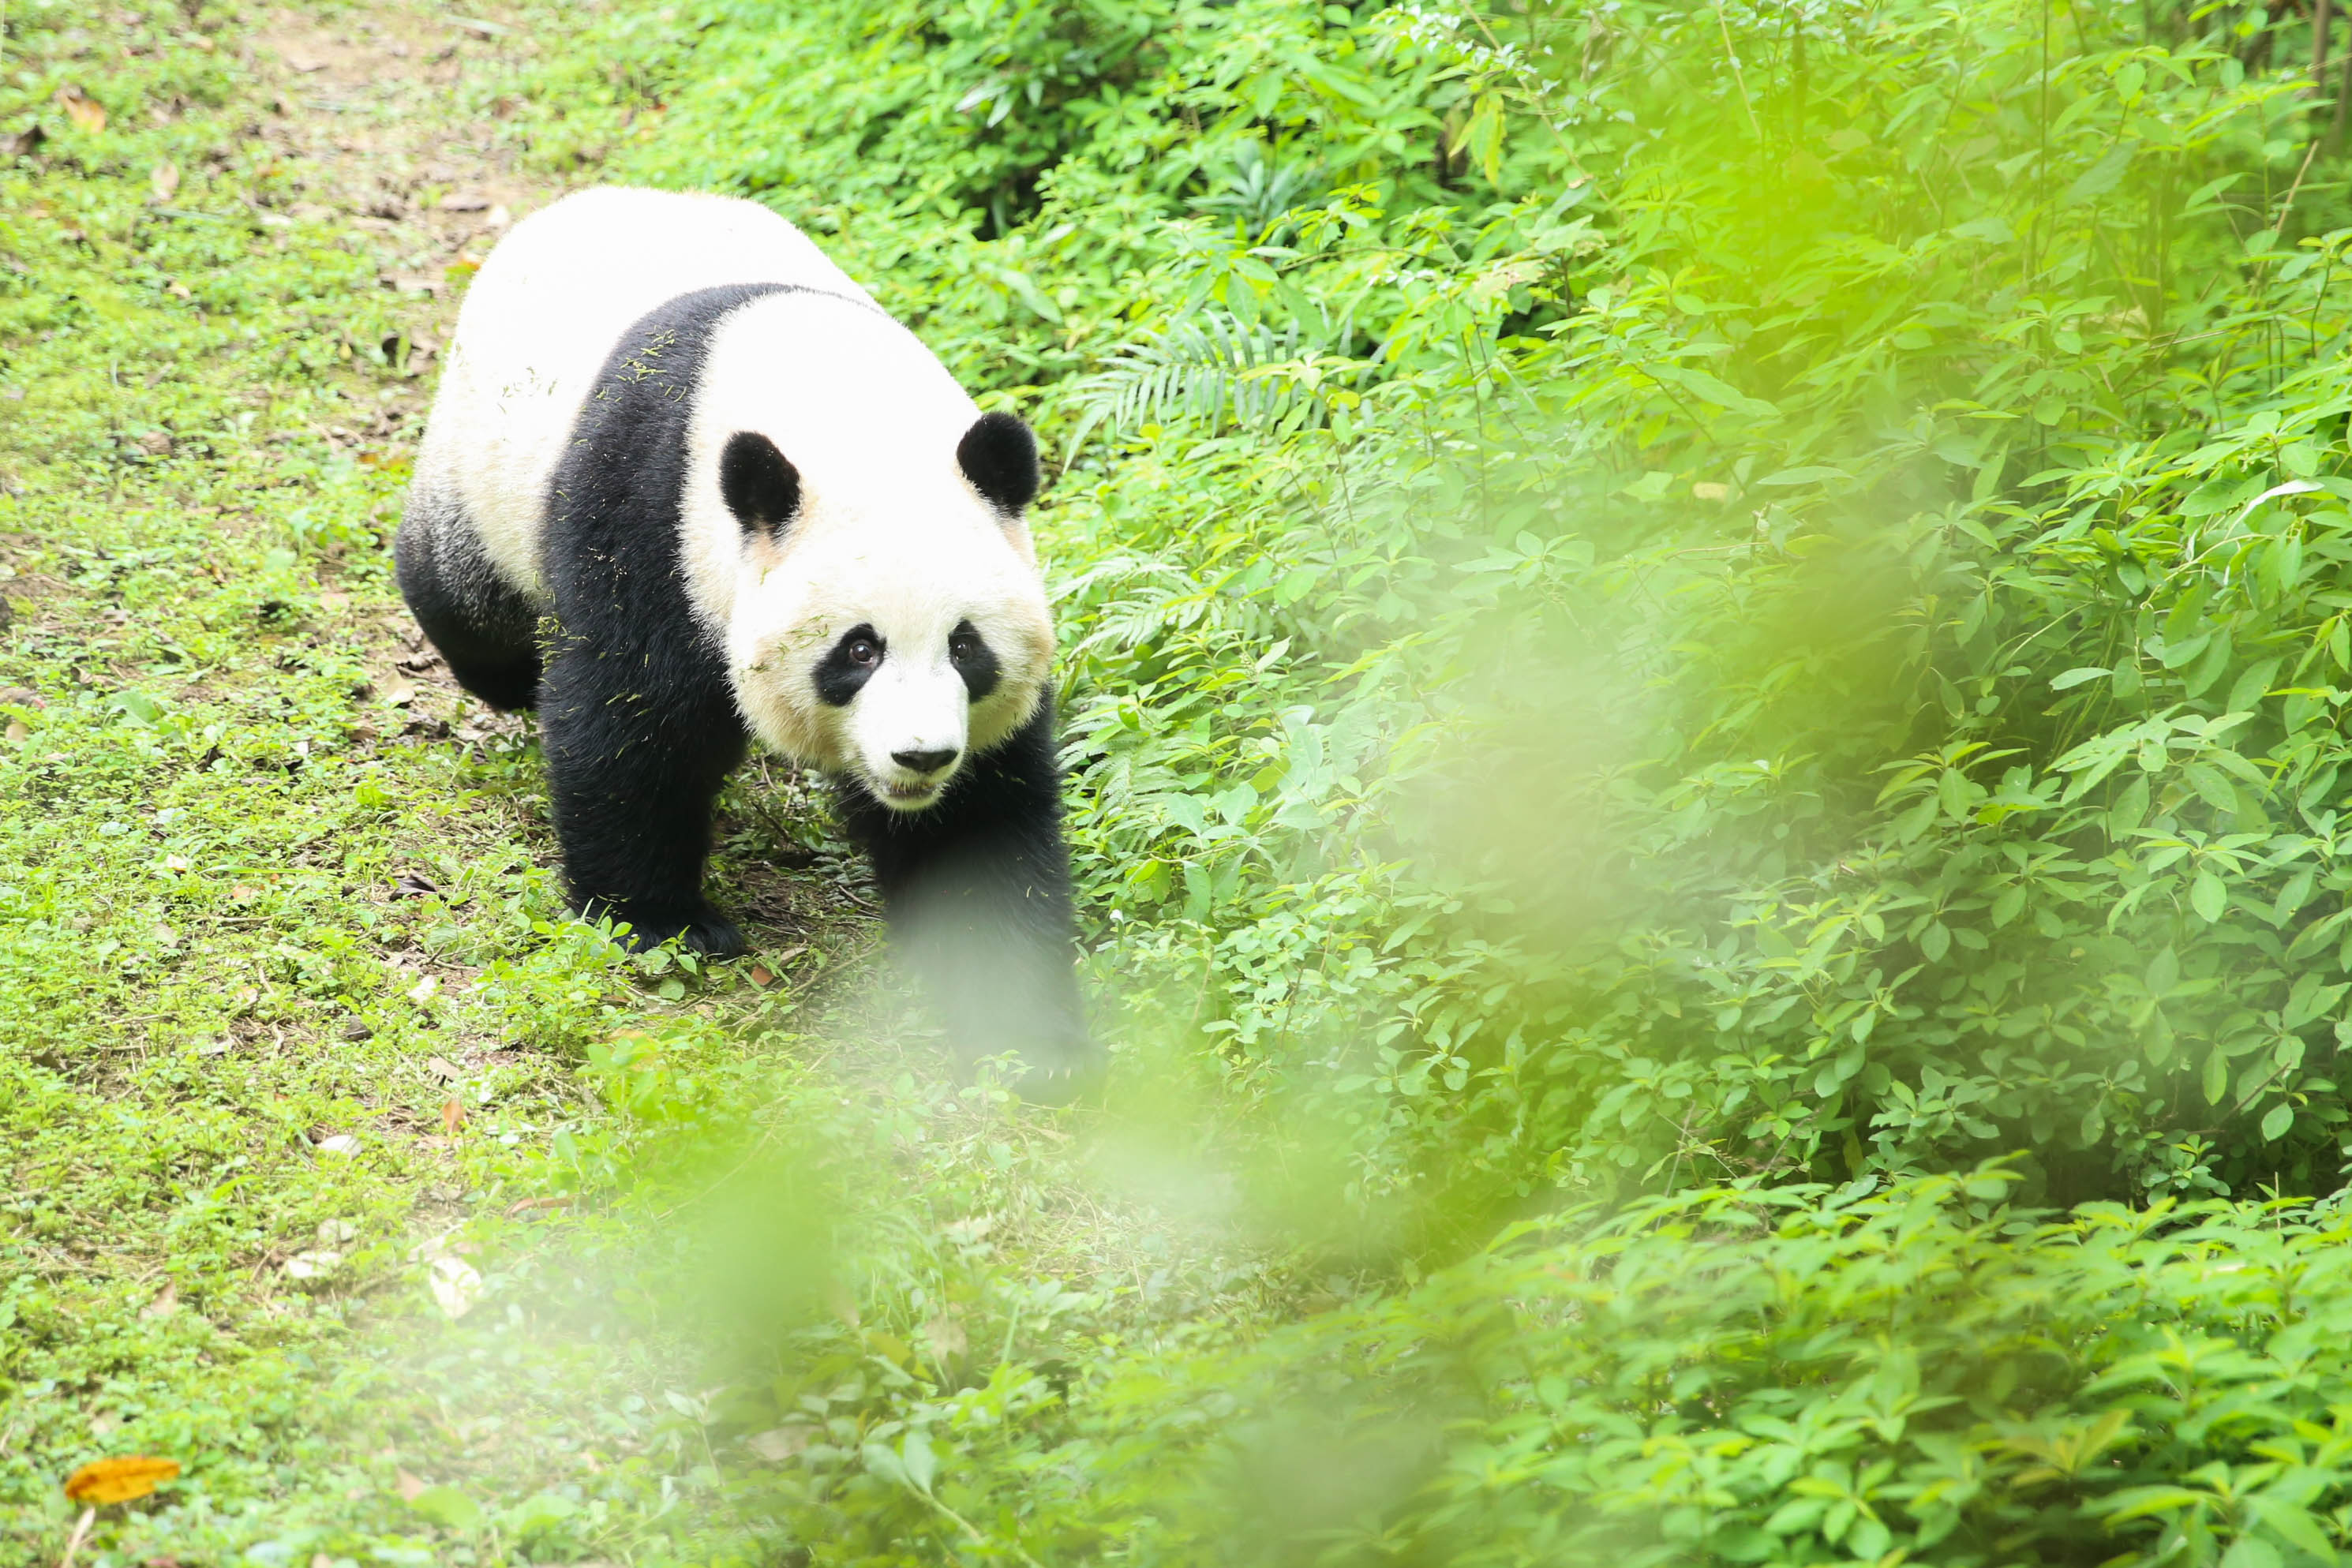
x,y
889,532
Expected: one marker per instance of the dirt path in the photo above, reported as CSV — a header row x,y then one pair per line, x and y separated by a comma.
x,y
370,126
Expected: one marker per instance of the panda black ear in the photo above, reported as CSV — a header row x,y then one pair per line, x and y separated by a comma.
x,y
999,456
757,483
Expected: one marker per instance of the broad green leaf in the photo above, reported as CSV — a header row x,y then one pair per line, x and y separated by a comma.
x,y
447,1506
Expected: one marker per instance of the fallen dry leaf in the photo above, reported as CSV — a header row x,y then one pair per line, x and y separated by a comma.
x,y
339,1144
166,1302
946,1338
312,1265
23,143
453,1115
779,1444
176,863
179,290
164,180
241,894
465,202
422,992
337,1232
18,732
840,1303
455,1284
82,109
119,1481
409,884
411,1487
762,977
446,1070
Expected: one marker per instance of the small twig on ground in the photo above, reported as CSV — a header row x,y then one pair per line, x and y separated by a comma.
x,y
81,1533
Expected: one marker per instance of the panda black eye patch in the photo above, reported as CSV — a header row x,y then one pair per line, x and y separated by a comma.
x,y
757,483
974,660
849,665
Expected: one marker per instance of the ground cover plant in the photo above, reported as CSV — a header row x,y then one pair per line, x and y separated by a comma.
x,y
1702,650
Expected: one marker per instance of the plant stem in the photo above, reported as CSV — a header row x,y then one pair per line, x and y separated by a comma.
x,y
80,1534
1737,75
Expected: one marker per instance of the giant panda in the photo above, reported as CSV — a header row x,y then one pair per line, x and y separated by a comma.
x,y
685,485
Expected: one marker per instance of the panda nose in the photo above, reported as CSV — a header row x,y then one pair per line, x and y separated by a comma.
x,y
925,761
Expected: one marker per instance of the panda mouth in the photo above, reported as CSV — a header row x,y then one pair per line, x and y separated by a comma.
x,y
910,794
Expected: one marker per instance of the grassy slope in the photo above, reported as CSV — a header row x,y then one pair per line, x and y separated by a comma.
x,y
252,1080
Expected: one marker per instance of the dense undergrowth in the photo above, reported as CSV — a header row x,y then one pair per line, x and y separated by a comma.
x,y
1704,651
1619,642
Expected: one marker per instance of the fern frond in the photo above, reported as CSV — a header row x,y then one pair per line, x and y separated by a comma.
x,y
1198,370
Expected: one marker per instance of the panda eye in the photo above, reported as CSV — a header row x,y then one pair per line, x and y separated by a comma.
x,y
863,654
960,648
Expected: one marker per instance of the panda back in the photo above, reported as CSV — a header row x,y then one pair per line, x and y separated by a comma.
x,y
544,314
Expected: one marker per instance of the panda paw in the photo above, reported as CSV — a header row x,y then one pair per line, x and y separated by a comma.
x,y
1067,1080
1049,1071
704,931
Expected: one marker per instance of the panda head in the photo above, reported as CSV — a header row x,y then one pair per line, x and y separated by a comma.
x,y
887,620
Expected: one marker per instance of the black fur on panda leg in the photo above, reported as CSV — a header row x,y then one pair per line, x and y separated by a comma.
x,y
977,891
632,771
485,631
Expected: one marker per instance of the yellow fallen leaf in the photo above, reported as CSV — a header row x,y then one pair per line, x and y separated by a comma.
x,y
83,110
453,1116
18,732
164,180
119,1481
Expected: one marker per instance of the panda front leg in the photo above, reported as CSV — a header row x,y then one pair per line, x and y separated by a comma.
x,y
633,767
976,889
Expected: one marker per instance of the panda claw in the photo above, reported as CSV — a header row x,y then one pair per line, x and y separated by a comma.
x,y
710,934
1064,1073
716,937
